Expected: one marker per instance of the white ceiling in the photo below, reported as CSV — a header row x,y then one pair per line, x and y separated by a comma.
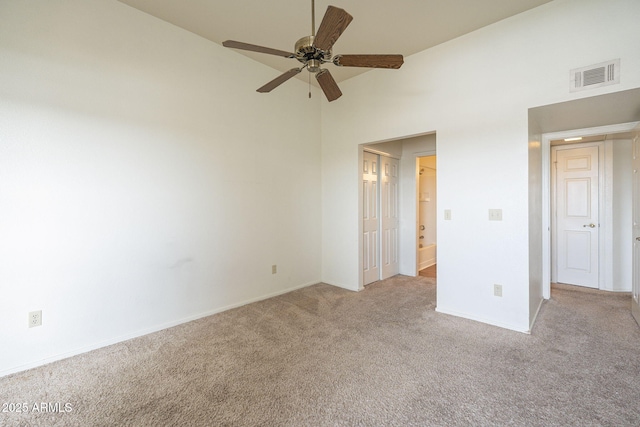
x,y
399,26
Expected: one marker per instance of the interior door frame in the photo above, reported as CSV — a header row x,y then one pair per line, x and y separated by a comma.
x,y
604,221
404,148
546,188
416,233
635,267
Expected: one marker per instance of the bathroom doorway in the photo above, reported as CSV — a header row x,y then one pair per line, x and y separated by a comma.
x,y
427,213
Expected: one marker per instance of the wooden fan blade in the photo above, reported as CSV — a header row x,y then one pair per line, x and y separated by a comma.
x,y
279,80
255,48
328,85
335,21
369,61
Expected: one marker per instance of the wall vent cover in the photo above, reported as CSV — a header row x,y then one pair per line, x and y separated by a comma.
x,y
593,76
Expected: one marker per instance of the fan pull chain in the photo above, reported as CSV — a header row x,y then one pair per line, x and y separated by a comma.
x,y
309,85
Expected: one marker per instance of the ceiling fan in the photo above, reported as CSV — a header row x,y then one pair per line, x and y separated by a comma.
x,y
315,50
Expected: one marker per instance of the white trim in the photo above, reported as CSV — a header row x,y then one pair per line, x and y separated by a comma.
x,y
379,153
361,150
546,217
606,206
146,331
546,189
481,319
416,202
342,286
399,138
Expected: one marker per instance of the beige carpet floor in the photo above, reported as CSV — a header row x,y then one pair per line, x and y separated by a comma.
x,y
323,356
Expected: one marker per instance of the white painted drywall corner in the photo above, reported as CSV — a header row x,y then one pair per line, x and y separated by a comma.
x,y
475,93
536,227
143,181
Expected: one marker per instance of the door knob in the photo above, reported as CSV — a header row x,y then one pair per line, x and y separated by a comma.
x,y
592,225
638,239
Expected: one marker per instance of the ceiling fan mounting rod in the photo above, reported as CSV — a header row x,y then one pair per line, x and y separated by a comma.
x,y
313,18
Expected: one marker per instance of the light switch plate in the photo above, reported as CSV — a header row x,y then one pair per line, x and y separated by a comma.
x,y
447,214
495,214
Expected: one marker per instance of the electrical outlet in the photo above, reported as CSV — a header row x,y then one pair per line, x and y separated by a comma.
x,y
35,318
274,269
497,290
495,214
447,214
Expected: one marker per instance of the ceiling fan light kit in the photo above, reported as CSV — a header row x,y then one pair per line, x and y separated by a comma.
x,y
315,50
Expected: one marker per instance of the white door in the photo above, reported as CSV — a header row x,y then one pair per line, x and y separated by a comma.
x,y
577,216
371,219
635,303
389,216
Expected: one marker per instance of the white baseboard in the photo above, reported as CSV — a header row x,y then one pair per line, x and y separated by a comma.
x,y
338,285
157,328
483,320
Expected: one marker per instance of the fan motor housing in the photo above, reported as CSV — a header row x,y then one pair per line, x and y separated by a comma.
x,y
309,55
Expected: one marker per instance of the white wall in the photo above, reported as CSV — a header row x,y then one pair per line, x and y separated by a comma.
x,y
537,236
475,92
622,218
143,181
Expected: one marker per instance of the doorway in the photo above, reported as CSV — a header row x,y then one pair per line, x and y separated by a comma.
x,y
427,250
590,236
610,113
404,197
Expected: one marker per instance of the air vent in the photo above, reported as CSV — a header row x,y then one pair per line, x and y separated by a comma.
x,y
593,76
